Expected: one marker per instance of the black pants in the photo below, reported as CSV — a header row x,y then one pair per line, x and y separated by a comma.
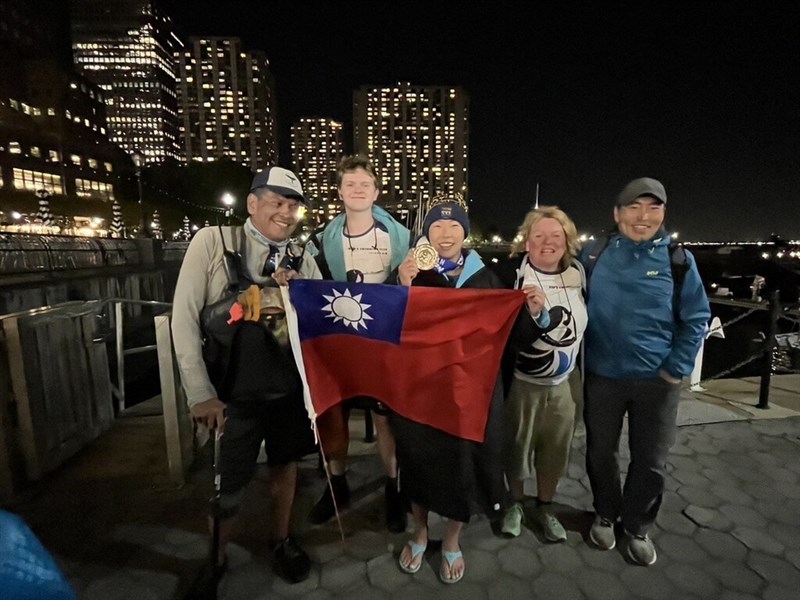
x,y
652,407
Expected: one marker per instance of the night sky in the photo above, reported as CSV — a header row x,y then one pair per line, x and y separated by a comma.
x,y
580,100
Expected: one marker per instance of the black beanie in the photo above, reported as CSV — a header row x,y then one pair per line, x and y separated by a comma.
x,y
446,210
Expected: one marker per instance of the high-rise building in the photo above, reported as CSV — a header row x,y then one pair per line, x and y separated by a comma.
x,y
419,138
53,128
317,147
227,103
126,47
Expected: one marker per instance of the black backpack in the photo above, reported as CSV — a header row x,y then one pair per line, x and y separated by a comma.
x,y
678,263
279,375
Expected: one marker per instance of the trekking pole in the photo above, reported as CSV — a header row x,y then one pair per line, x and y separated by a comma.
x,y
215,502
205,585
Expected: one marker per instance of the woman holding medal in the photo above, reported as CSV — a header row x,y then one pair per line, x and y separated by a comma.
x,y
546,339
439,472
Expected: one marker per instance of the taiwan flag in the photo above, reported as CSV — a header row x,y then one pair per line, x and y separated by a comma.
x,y
430,354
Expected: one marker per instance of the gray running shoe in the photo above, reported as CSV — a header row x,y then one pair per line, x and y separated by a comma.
x,y
641,549
602,533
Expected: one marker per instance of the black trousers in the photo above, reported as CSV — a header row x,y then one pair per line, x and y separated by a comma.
x,y
652,407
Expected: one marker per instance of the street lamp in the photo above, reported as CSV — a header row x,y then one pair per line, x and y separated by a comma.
x,y
228,200
138,161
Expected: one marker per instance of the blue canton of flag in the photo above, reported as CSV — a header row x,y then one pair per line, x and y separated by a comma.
x,y
368,310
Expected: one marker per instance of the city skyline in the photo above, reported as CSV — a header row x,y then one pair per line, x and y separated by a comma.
x,y
578,100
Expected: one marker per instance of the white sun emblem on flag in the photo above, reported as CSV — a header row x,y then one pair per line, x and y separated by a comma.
x,y
347,308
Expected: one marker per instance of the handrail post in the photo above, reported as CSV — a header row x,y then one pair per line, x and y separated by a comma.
x,y
769,350
120,348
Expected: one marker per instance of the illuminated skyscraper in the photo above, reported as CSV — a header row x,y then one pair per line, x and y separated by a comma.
x,y
227,103
317,148
419,138
126,47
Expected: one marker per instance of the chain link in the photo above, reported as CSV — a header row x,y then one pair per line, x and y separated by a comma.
x,y
747,360
738,318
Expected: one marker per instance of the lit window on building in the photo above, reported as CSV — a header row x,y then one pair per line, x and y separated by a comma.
x,y
89,188
14,148
25,179
76,159
36,152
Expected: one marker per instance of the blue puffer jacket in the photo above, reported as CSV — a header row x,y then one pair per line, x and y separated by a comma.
x,y
632,331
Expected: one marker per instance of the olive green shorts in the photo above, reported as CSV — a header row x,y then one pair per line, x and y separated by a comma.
x,y
540,421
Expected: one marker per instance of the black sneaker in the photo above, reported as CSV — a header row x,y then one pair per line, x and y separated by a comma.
x,y
396,515
324,510
290,561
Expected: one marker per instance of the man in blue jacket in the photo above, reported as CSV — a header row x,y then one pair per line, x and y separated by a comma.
x,y
642,338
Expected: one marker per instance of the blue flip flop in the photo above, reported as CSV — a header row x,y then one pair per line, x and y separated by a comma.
x,y
416,550
451,557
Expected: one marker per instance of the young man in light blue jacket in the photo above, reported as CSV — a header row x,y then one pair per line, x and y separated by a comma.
x,y
648,312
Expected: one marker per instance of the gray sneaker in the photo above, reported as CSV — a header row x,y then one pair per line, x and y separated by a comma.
x,y
552,528
512,520
641,549
602,533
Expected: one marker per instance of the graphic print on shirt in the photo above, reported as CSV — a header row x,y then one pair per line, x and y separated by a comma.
x,y
369,253
552,356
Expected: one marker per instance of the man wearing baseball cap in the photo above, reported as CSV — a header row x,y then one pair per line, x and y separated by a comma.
x,y
643,334
249,389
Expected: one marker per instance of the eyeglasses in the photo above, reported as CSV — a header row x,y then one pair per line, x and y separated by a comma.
x,y
355,276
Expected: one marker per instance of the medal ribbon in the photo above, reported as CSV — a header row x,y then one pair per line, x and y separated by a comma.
x,y
445,265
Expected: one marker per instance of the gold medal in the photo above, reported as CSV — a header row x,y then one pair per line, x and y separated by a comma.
x,y
425,257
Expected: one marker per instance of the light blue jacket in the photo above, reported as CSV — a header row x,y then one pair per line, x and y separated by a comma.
x,y
334,252
632,331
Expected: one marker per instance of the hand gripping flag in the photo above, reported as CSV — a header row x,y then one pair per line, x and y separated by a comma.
x,y
431,354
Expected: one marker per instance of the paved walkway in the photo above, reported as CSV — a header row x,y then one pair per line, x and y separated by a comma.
x,y
729,526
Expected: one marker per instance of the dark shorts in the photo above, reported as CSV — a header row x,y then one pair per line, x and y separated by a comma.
x,y
284,428
258,409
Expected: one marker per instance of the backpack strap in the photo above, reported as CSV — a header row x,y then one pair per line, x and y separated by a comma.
x,y
679,265
233,261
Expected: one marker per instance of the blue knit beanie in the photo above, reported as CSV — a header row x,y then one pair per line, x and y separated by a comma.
x,y
446,210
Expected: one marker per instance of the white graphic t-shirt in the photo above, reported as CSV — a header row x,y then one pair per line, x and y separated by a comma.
x,y
550,358
369,253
